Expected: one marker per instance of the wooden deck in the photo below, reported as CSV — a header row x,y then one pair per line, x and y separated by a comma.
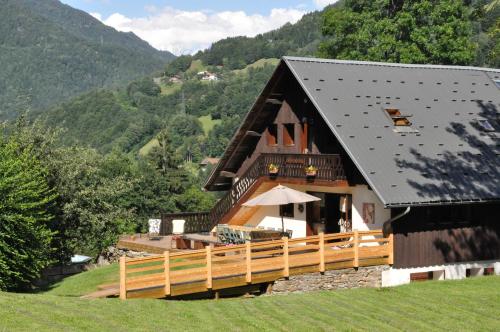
x,y
141,242
216,269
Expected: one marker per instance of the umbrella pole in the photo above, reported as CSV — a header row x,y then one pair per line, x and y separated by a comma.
x,y
282,223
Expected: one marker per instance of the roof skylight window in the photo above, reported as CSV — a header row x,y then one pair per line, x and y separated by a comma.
x,y
397,118
497,82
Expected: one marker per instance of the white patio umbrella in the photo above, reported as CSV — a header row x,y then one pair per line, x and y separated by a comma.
x,y
281,195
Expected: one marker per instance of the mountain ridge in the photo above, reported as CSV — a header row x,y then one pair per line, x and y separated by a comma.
x,y
52,52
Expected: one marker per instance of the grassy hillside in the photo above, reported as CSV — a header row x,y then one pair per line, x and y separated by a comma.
x,y
51,52
86,282
465,305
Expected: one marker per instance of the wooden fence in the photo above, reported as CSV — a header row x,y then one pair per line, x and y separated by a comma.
x,y
214,269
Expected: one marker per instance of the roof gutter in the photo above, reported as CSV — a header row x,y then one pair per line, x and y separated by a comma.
x,y
387,226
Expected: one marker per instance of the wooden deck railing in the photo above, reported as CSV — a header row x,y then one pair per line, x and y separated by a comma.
x,y
329,167
214,269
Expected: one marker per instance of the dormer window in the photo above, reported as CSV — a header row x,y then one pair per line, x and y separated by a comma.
x,y
398,119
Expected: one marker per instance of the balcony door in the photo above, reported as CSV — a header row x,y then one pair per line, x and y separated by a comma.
x,y
324,215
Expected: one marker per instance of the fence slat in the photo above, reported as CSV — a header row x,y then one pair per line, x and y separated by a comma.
x,y
321,252
249,262
356,248
209,267
123,278
390,247
166,267
286,269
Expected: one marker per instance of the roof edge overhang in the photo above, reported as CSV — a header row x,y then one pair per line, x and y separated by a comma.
x,y
442,202
389,64
248,120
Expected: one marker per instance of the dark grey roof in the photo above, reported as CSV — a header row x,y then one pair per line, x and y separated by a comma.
x,y
448,158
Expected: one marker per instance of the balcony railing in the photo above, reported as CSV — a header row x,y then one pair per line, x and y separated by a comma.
x,y
328,168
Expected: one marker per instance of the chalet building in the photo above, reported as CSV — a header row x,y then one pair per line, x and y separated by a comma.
x,y
410,149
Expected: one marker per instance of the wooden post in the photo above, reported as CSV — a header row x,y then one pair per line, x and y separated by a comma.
x,y
286,264
123,278
390,248
322,252
166,271
356,248
249,262
209,267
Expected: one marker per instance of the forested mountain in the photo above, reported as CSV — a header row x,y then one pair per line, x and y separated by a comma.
x,y
50,52
127,119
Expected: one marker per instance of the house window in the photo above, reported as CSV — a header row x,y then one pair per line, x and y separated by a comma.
x,y
421,276
497,82
397,118
272,134
288,134
287,210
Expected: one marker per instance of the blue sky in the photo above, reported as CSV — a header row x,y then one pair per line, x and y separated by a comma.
x,y
184,27
134,8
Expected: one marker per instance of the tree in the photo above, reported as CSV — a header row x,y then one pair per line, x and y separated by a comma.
x,y
425,31
25,199
91,211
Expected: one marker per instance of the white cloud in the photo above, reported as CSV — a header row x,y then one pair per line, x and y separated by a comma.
x,y
323,3
97,16
184,32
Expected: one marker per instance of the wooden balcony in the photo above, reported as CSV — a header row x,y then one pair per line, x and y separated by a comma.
x,y
328,167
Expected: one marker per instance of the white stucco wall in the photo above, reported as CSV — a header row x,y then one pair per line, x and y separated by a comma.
x,y
268,217
361,194
395,277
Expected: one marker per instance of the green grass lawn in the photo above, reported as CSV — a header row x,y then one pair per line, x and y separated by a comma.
x,y
169,89
85,283
466,305
208,123
258,64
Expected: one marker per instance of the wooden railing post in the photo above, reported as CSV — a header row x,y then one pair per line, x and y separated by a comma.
x,y
123,278
322,252
390,248
356,248
286,262
209,267
166,271
248,257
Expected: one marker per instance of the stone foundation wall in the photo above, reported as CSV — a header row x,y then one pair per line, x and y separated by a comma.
x,y
335,279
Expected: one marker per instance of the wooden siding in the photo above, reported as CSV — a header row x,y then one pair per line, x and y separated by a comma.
x,y
440,235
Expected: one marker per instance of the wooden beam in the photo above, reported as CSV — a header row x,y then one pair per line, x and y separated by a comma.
x,y
356,248
166,272
274,101
253,133
322,252
286,268
209,267
227,174
123,278
248,250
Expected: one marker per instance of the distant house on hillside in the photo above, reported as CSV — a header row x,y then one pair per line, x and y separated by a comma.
x,y
207,76
410,149
175,79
